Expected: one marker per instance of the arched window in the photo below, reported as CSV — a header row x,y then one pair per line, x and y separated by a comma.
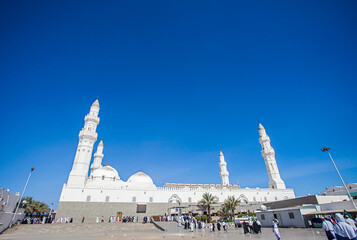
x,y
113,179
243,199
254,199
151,199
88,198
265,199
134,199
276,198
103,177
189,199
107,198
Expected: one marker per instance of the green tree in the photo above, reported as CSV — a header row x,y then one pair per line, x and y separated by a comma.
x,y
232,203
33,206
207,200
225,211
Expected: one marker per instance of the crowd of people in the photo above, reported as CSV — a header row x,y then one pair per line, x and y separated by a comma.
x,y
191,223
112,219
340,227
252,226
65,220
38,220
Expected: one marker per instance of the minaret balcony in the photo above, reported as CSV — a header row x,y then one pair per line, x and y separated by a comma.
x,y
100,155
84,133
268,152
92,119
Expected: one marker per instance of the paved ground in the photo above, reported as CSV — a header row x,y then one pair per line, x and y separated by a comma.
x,y
138,231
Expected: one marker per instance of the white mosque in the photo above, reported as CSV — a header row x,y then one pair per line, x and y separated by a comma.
x,y
97,190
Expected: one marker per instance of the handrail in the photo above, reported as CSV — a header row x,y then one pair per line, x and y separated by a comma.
x,y
156,225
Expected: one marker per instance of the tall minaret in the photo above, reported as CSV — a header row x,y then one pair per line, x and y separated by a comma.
x,y
98,156
87,138
223,166
268,154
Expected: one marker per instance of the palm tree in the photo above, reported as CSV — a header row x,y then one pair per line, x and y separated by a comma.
x,y
232,203
33,206
207,200
225,211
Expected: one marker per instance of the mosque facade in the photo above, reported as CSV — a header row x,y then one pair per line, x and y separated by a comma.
x,y
95,190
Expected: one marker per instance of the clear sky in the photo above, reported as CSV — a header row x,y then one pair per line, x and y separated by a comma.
x,y
177,81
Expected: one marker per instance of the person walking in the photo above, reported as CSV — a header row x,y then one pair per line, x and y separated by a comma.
x,y
259,226
250,224
351,222
328,227
245,227
219,226
276,228
83,219
224,225
343,230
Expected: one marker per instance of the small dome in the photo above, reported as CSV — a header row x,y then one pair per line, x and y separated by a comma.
x,y
140,180
106,171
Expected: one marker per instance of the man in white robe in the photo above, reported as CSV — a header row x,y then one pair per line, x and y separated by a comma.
x,y
351,223
328,227
342,229
276,228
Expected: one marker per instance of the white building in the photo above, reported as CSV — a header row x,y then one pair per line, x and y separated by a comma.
x,y
340,190
101,192
296,212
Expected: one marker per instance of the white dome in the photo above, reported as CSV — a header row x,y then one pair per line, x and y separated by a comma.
x,y
106,171
141,180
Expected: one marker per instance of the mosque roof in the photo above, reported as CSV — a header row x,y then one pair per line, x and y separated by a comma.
x,y
106,171
140,179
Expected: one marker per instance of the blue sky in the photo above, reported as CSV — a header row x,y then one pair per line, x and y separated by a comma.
x,y
177,81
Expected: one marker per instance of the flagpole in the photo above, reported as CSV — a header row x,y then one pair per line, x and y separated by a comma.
x,y
344,184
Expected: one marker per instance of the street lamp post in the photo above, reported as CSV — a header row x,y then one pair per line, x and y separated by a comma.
x,y
22,194
50,215
326,149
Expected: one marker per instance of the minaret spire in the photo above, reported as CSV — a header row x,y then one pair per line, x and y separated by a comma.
x,y
87,137
268,154
223,166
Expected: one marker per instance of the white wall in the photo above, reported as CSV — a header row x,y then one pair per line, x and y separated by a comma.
x,y
330,199
337,205
285,220
74,194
